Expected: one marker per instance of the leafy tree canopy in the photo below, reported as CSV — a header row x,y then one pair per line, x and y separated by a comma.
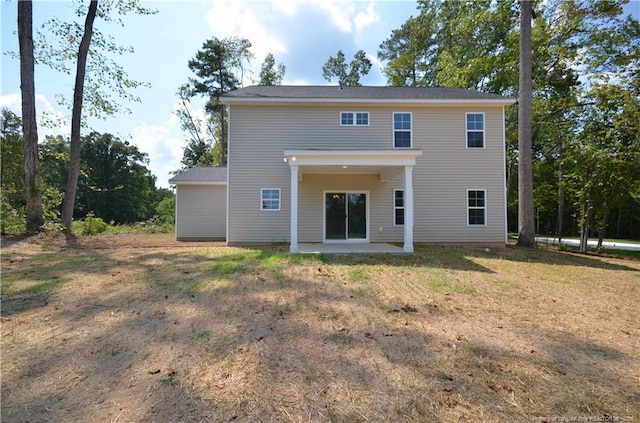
x,y
270,74
348,76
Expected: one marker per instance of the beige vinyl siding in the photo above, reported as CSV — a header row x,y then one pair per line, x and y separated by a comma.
x,y
447,169
442,175
201,212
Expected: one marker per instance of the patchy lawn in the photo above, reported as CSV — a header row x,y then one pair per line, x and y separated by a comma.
x,y
144,329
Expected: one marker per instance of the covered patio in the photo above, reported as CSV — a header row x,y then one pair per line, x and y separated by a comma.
x,y
386,163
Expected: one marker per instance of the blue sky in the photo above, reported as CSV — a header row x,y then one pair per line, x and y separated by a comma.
x,y
302,34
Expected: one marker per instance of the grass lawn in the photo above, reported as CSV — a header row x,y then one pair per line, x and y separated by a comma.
x,y
141,328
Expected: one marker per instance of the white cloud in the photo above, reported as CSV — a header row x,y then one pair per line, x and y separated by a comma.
x,y
341,12
297,81
350,16
365,19
375,62
265,23
251,20
10,101
164,144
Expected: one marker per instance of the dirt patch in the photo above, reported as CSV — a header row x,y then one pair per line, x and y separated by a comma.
x,y
143,328
103,241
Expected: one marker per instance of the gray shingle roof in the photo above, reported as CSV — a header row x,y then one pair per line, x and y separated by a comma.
x,y
201,174
361,93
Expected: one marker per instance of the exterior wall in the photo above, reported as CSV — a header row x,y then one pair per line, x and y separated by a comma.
x,y
311,205
201,212
441,177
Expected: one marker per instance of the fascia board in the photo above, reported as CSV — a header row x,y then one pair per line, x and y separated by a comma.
x,y
453,102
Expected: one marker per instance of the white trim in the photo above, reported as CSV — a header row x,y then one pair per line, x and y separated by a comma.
x,y
228,167
394,207
354,152
175,216
393,130
388,157
504,179
299,100
210,183
279,199
408,209
484,131
324,217
485,208
354,115
293,236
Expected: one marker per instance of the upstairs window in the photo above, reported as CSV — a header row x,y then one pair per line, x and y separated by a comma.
x,y
475,130
354,118
398,207
476,207
402,130
270,199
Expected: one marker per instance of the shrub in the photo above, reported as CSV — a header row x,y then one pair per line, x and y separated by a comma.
x,y
12,221
91,225
166,210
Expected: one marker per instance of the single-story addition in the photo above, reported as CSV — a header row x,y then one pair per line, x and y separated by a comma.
x,y
201,204
324,164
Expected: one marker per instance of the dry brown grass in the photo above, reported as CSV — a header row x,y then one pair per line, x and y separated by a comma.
x,y
144,329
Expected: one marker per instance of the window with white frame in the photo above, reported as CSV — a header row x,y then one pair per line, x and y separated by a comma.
x,y
398,207
402,130
270,199
475,130
354,118
476,207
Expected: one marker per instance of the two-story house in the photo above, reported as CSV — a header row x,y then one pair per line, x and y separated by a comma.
x,y
311,164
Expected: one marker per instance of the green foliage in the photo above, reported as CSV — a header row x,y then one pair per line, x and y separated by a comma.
x,y
166,210
336,67
151,226
12,220
219,68
605,154
51,201
114,182
90,225
455,44
577,46
11,157
270,74
203,133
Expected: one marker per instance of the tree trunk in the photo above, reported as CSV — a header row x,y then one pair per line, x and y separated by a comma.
x,y
33,195
76,119
602,229
584,228
526,225
560,204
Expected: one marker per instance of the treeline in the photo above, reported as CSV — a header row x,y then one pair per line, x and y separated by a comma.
x,y
586,99
114,184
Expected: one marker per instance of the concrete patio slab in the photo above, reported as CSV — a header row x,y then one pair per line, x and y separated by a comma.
x,y
349,248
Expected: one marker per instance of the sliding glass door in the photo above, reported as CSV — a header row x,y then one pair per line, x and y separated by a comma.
x,y
345,216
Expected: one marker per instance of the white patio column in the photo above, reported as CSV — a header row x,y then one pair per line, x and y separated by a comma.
x,y
294,209
408,209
